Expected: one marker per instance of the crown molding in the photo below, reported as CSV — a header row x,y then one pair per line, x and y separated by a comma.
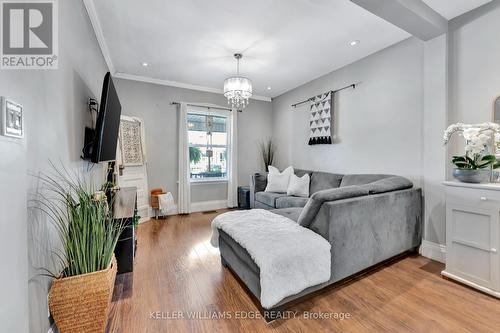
x,y
147,79
96,25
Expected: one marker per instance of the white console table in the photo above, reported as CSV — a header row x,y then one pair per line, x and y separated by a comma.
x,y
473,235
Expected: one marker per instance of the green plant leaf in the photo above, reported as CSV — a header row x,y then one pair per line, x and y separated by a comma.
x,y
461,164
85,225
484,165
195,154
486,161
488,158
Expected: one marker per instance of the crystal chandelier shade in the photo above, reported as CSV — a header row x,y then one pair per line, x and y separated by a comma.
x,y
237,89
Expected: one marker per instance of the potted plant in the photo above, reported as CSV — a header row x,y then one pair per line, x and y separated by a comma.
x,y
80,294
476,169
268,150
476,164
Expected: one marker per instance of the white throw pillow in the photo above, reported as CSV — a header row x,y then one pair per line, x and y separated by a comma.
x,y
277,181
299,186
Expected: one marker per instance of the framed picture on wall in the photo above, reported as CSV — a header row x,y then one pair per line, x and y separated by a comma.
x,y
131,142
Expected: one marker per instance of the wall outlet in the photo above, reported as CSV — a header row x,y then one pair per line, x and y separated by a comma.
x,y
12,119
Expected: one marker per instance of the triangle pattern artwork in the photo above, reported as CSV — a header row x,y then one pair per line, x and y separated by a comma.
x,y
320,119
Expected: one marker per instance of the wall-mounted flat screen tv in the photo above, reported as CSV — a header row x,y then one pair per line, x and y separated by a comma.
x,y
100,143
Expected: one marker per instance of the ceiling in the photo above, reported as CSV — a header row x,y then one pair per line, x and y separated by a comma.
x,y
453,8
285,43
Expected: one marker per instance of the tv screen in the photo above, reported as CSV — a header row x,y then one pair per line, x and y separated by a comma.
x,y
107,124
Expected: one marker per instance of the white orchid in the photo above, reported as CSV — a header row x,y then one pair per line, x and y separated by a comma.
x,y
471,130
471,133
477,139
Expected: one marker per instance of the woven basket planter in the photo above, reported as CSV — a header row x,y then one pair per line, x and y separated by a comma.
x,y
81,303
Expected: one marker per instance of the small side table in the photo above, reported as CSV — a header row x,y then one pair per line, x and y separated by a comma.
x,y
244,197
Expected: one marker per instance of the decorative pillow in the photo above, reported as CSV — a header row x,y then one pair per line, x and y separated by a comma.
x,y
299,186
277,181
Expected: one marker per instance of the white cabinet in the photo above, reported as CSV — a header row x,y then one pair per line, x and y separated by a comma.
x,y
473,235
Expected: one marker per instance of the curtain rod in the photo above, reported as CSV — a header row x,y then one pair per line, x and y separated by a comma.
x,y
204,106
353,86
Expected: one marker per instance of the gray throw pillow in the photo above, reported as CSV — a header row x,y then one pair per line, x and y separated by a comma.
x,y
317,199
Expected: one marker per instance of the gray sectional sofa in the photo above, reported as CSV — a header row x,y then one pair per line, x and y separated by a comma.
x,y
268,200
367,219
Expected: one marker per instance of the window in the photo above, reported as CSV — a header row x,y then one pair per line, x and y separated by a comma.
x,y
207,135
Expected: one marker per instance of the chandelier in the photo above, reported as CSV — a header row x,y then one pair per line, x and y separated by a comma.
x,y
237,89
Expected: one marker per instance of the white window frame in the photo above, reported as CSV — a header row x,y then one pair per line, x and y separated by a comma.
x,y
209,111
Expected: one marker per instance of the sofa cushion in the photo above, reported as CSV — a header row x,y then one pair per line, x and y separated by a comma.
x,y
260,205
268,198
292,213
299,186
395,183
316,200
259,181
362,179
323,181
287,202
278,181
300,172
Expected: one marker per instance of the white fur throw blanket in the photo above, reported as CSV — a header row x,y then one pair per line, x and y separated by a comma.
x,y
291,258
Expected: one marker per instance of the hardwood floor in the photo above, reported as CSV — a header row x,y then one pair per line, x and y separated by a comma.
x,y
178,273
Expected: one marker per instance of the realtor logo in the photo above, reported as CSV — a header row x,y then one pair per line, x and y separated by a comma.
x,y
29,34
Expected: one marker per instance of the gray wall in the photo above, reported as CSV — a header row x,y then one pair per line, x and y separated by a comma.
x,y
55,105
13,242
378,125
461,82
391,123
475,64
151,102
435,120
394,122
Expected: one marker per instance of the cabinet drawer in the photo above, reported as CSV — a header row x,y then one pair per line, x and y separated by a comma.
x,y
472,227
474,264
472,243
480,198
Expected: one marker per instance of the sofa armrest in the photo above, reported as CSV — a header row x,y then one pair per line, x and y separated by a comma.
x,y
316,201
364,231
258,183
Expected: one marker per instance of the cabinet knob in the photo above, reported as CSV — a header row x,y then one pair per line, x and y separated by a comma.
x,y
494,250
484,199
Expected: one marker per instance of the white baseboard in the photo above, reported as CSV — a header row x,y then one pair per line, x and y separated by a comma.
x,y
204,206
433,251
